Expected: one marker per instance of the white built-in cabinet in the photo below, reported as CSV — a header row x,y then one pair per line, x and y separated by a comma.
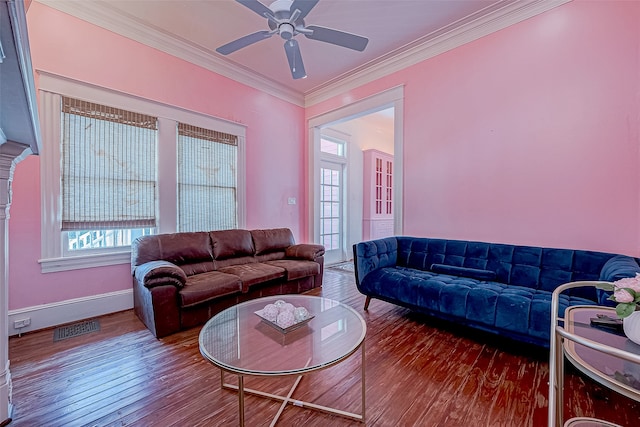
x,y
377,215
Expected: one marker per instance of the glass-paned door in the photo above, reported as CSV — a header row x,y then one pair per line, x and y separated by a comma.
x,y
331,211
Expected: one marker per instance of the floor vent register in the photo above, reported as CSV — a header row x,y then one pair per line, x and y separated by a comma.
x,y
76,329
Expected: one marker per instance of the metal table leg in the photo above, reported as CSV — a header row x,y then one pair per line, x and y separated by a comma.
x,y
362,380
241,399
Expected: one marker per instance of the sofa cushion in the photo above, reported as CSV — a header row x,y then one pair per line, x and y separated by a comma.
x,y
252,274
519,311
270,256
231,243
473,273
183,248
219,264
277,239
177,248
295,269
208,286
477,255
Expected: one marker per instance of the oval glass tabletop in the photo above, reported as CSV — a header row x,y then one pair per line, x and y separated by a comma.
x,y
240,341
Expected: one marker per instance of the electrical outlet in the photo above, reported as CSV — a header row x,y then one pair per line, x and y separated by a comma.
x,y
22,323
291,200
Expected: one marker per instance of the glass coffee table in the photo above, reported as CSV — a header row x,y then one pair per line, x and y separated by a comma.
x,y
606,356
240,342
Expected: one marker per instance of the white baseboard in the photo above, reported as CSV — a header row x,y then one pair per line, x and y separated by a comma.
x,y
49,315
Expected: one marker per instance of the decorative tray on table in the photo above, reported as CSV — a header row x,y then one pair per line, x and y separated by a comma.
x,y
284,317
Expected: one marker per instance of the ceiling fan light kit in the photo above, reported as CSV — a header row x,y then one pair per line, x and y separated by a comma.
x,y
286,18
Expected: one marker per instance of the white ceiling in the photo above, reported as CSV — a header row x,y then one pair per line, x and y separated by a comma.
x,y
195,28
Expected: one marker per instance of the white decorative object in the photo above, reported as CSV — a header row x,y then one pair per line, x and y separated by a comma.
x,y
287,306
285,319
270,312
631,326
284,316
300,314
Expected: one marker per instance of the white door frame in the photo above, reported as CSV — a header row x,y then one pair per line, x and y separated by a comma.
x,y
393,97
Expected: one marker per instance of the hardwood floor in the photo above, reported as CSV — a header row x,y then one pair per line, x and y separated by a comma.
x,y
420,372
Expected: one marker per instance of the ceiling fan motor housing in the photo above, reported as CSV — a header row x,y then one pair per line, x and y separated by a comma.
x,y
282,11
286,31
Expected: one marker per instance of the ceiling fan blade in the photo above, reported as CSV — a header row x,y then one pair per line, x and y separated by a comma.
x,y
295,59
304,6
336,37
257,7
244,42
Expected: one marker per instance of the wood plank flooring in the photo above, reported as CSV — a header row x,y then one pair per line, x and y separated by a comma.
x,y
420,372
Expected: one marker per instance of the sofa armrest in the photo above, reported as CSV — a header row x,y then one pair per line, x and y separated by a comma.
x,y
372,255
616,268
306,251
619,267
158,273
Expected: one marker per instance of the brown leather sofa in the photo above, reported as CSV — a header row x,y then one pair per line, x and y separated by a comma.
x,y
181,280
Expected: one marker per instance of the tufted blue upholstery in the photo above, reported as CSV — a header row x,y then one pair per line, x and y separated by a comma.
x,y
516,303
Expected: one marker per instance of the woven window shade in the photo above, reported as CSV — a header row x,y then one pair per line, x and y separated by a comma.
x,y
207,179
108,167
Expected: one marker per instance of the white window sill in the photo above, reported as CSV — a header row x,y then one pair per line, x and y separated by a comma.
x,y
51,265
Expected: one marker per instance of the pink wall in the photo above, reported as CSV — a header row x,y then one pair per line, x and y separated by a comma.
x,y
527,136
69,47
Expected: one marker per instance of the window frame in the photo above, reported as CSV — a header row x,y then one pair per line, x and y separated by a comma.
x,y
54,256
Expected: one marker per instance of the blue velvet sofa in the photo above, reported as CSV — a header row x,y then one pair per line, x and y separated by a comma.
x,y
499,288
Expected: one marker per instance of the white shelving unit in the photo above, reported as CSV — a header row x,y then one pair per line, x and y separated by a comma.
x,y
377,215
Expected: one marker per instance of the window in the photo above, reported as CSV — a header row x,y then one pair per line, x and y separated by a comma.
x,y
331,145
101,239
115,167
108,175
206,179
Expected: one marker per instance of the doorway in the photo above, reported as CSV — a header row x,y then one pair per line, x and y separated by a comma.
x,y
336,184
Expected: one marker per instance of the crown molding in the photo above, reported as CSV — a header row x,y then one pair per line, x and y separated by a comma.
x,y
457,34
105,16
473,27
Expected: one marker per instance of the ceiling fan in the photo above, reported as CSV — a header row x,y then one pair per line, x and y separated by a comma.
x,y
286,18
